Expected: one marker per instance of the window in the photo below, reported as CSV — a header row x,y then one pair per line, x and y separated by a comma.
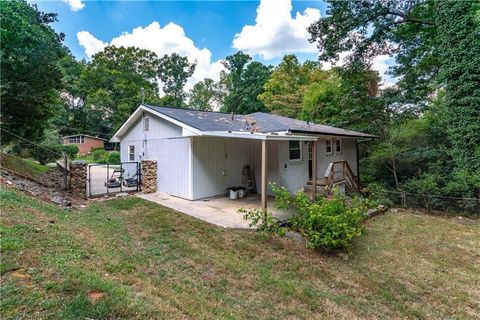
x,y
146,124
328,146
131,153
76,139
338,146
295,150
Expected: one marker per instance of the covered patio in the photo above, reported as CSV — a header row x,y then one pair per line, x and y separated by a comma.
x,y
219,210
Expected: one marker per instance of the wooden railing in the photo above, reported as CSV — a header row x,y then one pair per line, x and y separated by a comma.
x,y
334,176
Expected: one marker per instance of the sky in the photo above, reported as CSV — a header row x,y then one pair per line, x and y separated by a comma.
x,y
203,31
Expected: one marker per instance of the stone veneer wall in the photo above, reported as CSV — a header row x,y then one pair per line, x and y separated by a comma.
x,y
149,176
78,178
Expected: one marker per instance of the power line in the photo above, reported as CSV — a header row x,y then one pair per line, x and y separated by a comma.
x,y
31,142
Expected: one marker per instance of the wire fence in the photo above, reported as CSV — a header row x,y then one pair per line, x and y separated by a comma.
x,y
432,203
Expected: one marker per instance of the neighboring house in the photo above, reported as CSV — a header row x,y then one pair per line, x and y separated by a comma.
x,y
199,154
84,142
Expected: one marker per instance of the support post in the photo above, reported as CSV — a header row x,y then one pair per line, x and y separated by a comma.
x,y
314,170
264,175
65,171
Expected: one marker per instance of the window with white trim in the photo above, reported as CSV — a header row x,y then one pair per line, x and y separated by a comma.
x,y
328,146
294,150
131,153
338,146
146,124
76,139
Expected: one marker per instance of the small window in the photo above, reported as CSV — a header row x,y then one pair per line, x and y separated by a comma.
x,y
328,146
146,124
295,150
338,146
71,140
131,153
82,139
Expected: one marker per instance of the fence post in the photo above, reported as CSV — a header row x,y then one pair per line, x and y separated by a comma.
x,y
78,178
149,176
65,171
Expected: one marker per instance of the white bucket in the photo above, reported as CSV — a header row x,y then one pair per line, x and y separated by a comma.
x,y
241,193
233,194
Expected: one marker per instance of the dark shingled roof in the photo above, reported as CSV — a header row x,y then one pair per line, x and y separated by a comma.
x,y
257,122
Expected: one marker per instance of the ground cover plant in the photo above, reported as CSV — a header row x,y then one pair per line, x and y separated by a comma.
x,y
129,258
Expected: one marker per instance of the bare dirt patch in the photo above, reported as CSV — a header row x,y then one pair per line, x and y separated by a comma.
x,y
95,296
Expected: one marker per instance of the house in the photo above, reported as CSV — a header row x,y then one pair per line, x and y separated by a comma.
x,y
200,154
84,142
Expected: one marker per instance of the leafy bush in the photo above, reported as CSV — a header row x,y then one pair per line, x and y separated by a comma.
x,y
378,195
264,221
45,152
99,156
71,150
113,157
328,223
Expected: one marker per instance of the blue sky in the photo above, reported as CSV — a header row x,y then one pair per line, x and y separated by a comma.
x,y
205,31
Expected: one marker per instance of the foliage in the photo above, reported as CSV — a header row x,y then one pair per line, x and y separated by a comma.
x,y
100,156
174,71
30,53
283,92
328,223
71,150
112,85
46,152
204,95
242,84
459,75
113,157
263,221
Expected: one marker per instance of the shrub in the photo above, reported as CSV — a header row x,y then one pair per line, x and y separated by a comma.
x,y
99,156
263,221
71,150
113,157
328,223
45,153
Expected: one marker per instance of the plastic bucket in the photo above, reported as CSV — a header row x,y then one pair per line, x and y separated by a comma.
x,y
241,193
233,194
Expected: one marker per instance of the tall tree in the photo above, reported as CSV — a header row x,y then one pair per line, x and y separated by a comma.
x,y
204,95
30,76
459,75
174,71
283,92
112,85
243,83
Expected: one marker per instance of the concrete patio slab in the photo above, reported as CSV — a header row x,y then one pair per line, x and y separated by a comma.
x,y
220,210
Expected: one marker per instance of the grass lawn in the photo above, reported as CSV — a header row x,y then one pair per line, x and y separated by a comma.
x,y
128,258
25,167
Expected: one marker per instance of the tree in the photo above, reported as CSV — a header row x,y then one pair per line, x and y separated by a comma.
x,y
112,85
243,83
283,92
204,95
30,76
174,71
459,75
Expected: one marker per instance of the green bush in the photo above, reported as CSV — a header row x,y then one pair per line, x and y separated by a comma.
x,y
99,156
262,220
71,150
45,153
328,223
113,157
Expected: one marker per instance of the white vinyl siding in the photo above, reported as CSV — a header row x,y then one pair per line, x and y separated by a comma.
x,y
217,163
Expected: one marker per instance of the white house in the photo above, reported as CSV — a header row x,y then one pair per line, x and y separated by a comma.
x,y
200,154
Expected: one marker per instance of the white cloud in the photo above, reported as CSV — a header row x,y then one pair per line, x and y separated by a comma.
x,y
167,40
91,44
275,32
75,5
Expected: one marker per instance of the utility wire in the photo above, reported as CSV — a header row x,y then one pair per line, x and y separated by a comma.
x,y
31,142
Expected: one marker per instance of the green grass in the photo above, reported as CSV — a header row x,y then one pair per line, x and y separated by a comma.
x,y
26,167
152,262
